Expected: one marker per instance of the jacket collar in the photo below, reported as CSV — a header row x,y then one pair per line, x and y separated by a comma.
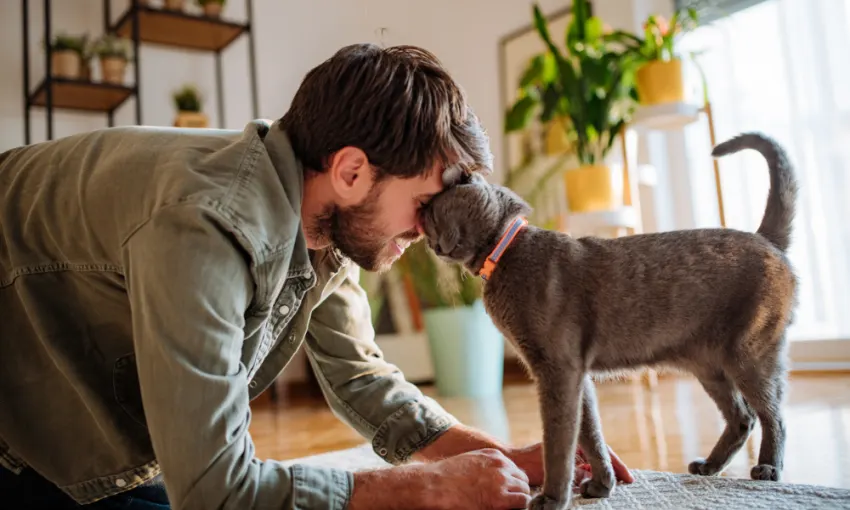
x,y
290,171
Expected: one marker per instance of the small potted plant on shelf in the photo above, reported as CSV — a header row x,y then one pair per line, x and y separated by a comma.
x,y
586,92
188,101
66,56
467,350
212,8
114,53
659,79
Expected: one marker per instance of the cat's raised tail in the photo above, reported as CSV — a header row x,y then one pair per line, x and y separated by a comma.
x,y
782,197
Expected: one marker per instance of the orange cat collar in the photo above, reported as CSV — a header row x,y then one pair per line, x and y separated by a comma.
x,y
506,240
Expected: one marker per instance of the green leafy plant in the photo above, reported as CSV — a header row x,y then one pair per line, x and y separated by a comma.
x,y
187,99
588,89
65,42
437,284
110,46
660,35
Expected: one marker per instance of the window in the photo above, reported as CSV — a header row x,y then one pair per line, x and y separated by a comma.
x,y
783,67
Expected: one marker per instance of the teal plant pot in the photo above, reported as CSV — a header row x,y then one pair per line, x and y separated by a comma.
x,y
467,351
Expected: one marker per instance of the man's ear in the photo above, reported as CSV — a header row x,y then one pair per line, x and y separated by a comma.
x,y
350,175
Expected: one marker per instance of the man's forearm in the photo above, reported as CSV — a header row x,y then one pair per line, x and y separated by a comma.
x,y
400,487
456,440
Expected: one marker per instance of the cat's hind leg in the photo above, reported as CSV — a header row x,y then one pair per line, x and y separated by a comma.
x,y
763,386
740,420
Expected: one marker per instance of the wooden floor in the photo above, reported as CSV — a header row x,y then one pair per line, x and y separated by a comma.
x,y
661,429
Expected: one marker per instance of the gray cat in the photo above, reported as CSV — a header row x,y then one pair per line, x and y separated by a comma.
x,y
712,302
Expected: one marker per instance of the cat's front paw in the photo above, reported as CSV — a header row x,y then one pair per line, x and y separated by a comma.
x,y
544,502
765,472
701,467
593,489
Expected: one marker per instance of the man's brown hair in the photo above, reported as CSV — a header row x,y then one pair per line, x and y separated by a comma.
x,y
399,105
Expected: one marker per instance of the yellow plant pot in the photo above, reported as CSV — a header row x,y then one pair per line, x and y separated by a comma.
x,y
590,188
660,82
65,64
191,120
112,70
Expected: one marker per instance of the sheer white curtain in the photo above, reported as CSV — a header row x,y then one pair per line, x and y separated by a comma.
x,y
783,67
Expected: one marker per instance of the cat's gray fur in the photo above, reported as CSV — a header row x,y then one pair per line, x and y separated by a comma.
x,y
712,302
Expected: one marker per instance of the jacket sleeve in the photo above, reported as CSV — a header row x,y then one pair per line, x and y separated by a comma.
x,y
189,285
361,387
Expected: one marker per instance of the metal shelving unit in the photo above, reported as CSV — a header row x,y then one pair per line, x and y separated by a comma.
x,y
141,24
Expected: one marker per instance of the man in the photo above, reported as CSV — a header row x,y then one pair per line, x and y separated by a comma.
x,y
153,281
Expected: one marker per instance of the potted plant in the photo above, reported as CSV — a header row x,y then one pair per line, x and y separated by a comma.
x,y
114,53
659,78
66,55
467,350
212,8
188,101
588,92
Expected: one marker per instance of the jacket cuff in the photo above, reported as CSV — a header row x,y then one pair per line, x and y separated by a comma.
x,y
412,427
321,487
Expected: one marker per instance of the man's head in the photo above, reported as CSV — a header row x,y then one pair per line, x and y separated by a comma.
x,y
376,128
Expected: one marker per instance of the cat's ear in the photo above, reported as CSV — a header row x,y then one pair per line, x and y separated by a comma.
x,y
458,175
476,179
515,204
453,176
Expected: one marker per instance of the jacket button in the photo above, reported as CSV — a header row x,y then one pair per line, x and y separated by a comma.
x,y
120,482
383,452
283,310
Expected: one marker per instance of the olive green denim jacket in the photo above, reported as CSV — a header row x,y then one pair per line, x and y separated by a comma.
x,y
152,282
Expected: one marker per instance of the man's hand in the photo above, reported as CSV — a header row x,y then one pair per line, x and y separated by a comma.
x,y
461,438
530,460
479,480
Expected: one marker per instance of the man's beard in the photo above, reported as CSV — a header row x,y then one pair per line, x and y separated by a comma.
x,y
355,232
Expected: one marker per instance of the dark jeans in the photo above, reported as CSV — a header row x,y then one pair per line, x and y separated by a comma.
x,y
29,491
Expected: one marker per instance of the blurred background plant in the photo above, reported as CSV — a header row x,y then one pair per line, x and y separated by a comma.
x,y
587,89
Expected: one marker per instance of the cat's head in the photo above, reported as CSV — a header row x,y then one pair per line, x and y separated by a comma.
x,y
465,221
